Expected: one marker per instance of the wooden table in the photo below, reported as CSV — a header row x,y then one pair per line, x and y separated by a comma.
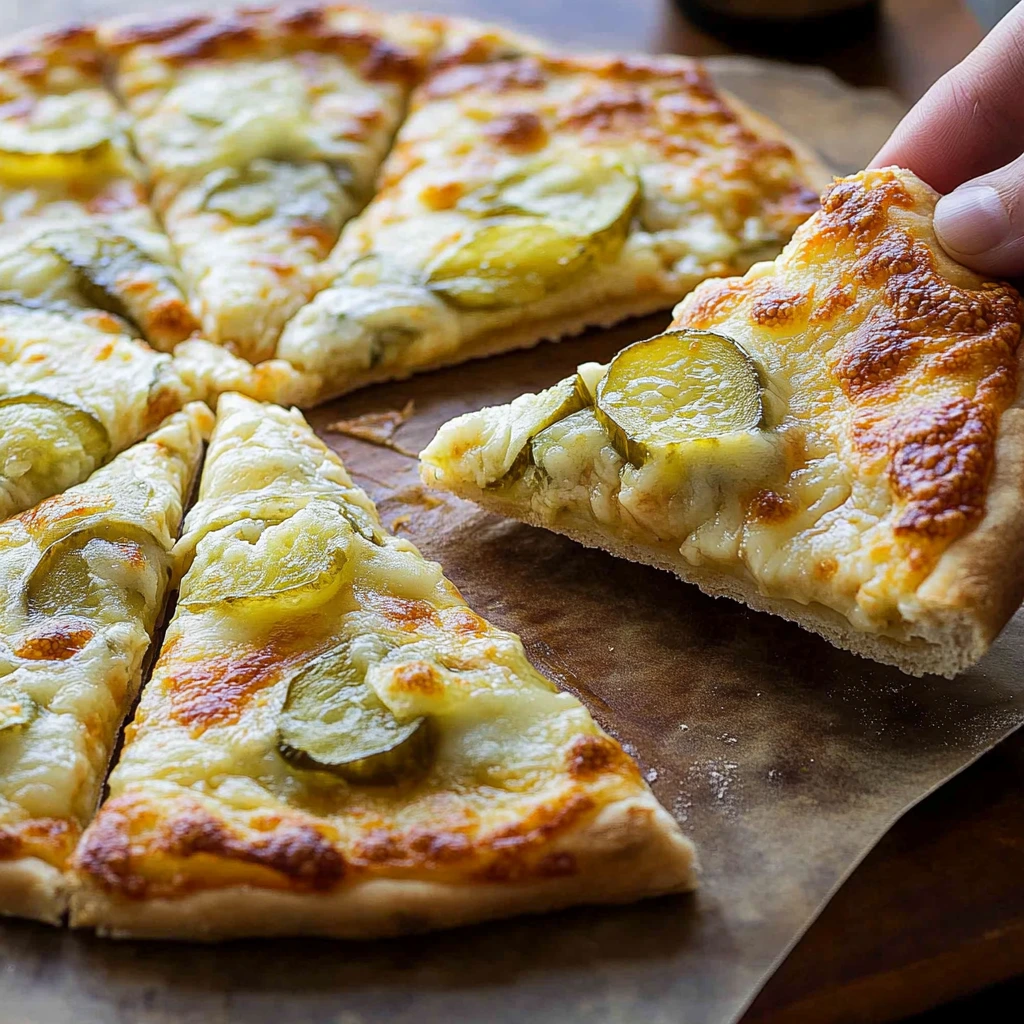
x,y
937,909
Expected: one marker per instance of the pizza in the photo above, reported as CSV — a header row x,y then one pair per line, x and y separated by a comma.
x,y
84,577
76,229
531,194
333,743
836,437
262,129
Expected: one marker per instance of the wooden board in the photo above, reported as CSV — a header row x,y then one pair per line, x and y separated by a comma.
x,y
934,912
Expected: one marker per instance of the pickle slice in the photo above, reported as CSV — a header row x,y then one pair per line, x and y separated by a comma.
x,y
63,581
542,228
35,152
334,721
16,711
679,387
37,436
105,266
311,193
548,407
294,565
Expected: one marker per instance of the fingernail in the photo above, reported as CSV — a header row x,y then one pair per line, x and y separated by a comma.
x,y
972,220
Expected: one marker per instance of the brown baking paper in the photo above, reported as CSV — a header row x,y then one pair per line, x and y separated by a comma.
x,y
782,757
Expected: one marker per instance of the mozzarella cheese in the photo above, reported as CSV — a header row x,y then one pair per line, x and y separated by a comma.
x,y
713,198
512,755
890,367
75,227
71,653
263,130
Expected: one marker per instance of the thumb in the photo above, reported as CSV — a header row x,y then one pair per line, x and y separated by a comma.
x,y
981,223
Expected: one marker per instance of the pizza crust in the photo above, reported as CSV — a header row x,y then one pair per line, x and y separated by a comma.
x,y
964,610
630,850
29,887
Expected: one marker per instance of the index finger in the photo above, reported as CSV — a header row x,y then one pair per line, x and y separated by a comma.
x,y
972,120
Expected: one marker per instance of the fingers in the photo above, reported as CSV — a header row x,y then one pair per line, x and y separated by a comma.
x,y
972,120
981,224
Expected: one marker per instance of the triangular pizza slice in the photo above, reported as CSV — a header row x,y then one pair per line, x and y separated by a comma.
x,y
333,743
531,194
84,577
837,437
75,227
263,129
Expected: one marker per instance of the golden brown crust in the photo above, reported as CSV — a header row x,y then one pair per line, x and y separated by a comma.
x,y
30,887
58,59
629,850
269,30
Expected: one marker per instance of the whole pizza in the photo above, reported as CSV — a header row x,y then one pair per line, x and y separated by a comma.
x,y
205,219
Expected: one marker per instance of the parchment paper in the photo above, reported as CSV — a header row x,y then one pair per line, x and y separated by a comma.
x,y
783,758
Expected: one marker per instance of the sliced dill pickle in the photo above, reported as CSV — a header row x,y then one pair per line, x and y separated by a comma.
x,y
32,154
276,188
35,430
16,712
548,407
294,565
541,228
333,720
588,376
62,580
679,387
105,266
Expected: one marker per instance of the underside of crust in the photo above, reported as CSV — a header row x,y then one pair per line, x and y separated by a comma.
x,y
29,887
631,850
944,644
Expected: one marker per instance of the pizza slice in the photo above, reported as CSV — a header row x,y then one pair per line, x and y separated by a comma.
x,y
531,194
84,577
333,743
263,129
75,227
837,437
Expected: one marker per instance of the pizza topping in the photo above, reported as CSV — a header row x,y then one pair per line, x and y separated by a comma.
x,y
40,433
70,574
108,269
541,228
252,565
334,721
311,193
680,387
16,712
59,139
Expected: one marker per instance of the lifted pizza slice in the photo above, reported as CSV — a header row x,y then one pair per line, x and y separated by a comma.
x,y
75,227
837,437
84,577
531,194
263,129
333,743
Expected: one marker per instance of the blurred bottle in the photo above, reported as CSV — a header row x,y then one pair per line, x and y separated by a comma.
x,y
799,28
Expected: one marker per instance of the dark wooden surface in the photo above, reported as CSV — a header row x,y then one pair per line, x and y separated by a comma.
x,y
937,909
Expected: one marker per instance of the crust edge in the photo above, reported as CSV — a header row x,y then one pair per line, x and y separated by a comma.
x,y
631,850
29,887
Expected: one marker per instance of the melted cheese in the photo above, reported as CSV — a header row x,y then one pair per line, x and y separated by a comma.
x,y
890,366
123,383
77,666
512,752
713,199
308,103
67,176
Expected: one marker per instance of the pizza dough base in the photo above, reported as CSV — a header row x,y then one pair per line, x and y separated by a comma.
x,y
29,887
631,849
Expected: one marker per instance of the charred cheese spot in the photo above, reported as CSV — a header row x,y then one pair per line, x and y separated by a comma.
x,y
303,855
214,691
499,77
826,568
57,640
594,755
51,511
607,109
419,677
50,839
405,614
442,196
767,506
461,619
157,31
849,210
713,301
520,130
940,465
835,301
775,305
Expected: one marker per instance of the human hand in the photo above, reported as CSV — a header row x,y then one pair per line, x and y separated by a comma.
x,y
966,138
